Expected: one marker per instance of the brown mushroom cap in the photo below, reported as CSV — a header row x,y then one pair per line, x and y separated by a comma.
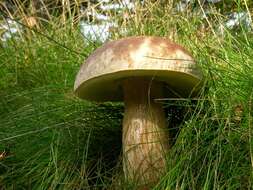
x,y
99,78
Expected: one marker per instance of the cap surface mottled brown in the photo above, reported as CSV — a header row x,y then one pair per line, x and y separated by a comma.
x,y
100,77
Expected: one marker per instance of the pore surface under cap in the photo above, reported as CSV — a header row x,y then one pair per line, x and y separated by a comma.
x,y
100,77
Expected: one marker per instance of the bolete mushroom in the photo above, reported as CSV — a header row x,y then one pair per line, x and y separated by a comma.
x,y
139,70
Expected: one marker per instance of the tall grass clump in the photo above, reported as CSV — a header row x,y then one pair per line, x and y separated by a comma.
x,y
49,139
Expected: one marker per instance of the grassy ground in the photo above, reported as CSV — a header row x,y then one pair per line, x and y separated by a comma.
x,y
49,139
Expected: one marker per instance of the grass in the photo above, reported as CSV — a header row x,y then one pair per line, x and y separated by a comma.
x,y
50,139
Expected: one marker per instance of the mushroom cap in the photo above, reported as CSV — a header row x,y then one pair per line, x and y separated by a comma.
x,y
156,58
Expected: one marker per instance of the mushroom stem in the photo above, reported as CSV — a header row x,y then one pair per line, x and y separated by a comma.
x,y
145,137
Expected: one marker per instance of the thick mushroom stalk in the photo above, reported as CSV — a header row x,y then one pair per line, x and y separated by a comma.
x,y
145,133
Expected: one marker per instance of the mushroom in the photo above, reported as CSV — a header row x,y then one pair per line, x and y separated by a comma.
x,y
139,70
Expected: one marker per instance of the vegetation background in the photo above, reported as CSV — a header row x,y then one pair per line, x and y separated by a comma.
x,y
49,139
